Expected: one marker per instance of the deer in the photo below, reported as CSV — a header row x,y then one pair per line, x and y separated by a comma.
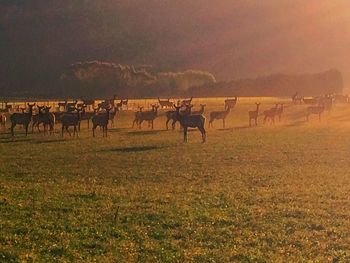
x,y
112,115
296,98
315,110
22,118
85,115
253,115
279,112
219,115
186,102
47,119
199,112
191,121
231,102
101,120
165,103
3,120
148,116
137,116
36,118
171,115
270,114
44,117
70,119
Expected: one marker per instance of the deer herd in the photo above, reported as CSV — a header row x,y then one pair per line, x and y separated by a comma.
x,y
74,113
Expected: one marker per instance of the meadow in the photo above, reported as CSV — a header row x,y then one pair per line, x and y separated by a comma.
x,y
274,193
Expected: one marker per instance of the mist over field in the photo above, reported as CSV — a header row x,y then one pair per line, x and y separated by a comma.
x,y
229,39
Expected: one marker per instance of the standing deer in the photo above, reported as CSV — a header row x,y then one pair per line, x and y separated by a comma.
x,y
186,102
171,115
279,112
102,121
70,119
192,121
199,112
22,118
253,115
315,110
148,116
112,115
137,116
270,114
231,102
85,115
36,118
219,115
296,98
3,120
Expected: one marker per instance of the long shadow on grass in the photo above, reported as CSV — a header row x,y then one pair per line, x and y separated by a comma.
x,y
133,149
149,132
47,141
13,140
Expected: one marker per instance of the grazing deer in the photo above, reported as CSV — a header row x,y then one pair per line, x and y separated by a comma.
x,y
191,121
231,102
279,112
315,110
102,121
199,112
22,118
70,119
270,114
165,103
148,116
3,120
219,115
253,115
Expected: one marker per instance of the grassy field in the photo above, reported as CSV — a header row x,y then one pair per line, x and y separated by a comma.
x,y
267,194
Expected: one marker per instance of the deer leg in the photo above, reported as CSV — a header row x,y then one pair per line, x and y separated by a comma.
x,y
202,130
166,124
185,134
67,130
62,130
26,127
93,130
256,121
173,124
13,125
223,123
152,124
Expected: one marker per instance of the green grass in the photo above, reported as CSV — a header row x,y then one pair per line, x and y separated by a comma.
x,y
266,194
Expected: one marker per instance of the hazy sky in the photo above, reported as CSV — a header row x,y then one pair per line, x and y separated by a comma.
x,y
230,38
